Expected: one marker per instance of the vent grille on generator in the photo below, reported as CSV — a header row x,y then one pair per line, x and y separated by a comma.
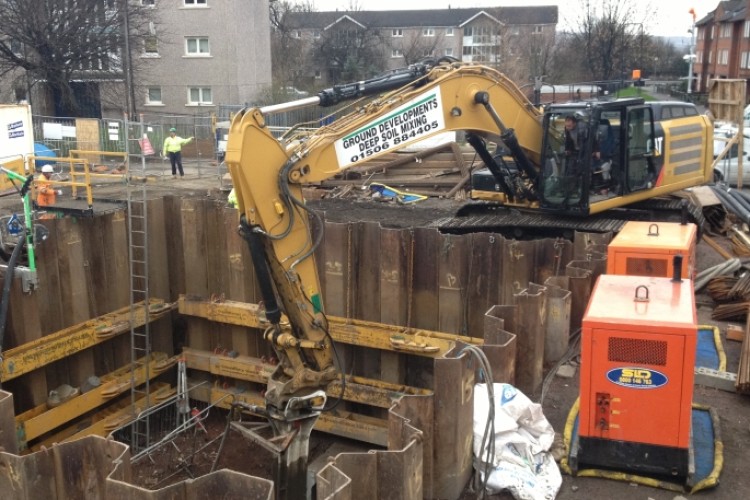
x,y
648,352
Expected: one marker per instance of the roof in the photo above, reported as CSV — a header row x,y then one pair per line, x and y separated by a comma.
x,y
734,10
434,17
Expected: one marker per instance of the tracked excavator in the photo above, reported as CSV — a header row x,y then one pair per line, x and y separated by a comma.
x,y
621,159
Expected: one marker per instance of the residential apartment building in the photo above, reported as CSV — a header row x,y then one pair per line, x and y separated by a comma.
x,y
722,44
203,53
198,54
496,36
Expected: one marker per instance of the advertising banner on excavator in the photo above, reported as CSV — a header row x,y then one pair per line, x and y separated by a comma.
x,y
417,119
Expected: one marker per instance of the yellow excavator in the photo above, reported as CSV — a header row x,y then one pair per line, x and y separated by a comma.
x,y
619,159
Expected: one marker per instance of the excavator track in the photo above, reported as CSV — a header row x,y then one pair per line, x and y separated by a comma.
x,y
523,224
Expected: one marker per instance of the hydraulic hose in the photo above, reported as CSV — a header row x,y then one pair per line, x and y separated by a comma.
x,y
7,283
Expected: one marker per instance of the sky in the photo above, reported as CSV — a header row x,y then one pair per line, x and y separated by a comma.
x,y
660,17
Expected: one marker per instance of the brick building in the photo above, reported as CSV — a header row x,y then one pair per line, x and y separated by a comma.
x,y
722,44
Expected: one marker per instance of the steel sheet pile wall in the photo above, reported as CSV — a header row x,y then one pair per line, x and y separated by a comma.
x,y
474,286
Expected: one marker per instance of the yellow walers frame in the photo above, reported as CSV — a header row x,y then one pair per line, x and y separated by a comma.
x,y
349,425
40,352
40,420
73,183
358,389
347,331
109,419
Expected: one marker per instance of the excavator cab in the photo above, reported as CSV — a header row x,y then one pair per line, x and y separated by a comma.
x,y
607,152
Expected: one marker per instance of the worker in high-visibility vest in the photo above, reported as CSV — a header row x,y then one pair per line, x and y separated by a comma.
x,y
173,148
46,194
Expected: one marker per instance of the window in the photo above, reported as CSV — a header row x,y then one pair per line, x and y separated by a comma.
x,y
710,57
197,46
746,29
449,52
428,53
318,74
396,53
297,34
428,31
199,95
153,95
726,30
712,31
397,33
743,60
480,35
316,34
150,46
537,30
150,3
448,31
723,57
195,3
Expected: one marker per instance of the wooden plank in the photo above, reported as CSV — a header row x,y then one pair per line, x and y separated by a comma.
x,y
24,325
337,269
50,309
395,252
531,317
240,285
75,293
193,215
425,282
367,291
551,257
454,409
115,235
97,284
735,333
217,271
453,272
482,277
519,261
158,271
173,224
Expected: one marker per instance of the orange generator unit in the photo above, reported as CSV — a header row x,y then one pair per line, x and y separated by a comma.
x,y
649,249
637,359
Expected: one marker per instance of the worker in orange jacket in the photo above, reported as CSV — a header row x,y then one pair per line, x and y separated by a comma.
x,y
47,195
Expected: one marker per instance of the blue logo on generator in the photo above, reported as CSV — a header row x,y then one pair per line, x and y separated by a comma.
x,y
637,378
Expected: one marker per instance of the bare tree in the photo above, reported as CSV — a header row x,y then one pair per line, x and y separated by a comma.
x,y
349,52
54,42
609,38
288,49
414,46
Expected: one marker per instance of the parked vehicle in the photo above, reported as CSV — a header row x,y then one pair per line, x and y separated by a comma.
x,y
726,169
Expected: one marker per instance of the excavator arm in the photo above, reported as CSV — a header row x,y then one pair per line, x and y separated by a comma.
x,y
268,176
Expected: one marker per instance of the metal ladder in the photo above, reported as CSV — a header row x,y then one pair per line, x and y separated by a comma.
x,y
140,337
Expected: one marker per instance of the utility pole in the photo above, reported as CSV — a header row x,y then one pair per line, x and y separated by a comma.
x,y
130,91
691,56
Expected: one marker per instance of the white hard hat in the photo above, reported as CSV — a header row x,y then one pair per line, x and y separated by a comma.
x,y
47,169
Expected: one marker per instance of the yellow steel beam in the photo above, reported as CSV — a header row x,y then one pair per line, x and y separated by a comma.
x,y
40,420
108,419
345,424
41,352
346,331
358,389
